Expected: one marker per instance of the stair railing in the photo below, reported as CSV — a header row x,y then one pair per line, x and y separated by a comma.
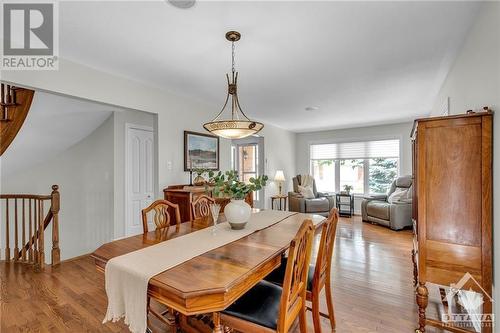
x,y
24,227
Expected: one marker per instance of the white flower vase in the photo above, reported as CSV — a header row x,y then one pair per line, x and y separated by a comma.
x,y
237,213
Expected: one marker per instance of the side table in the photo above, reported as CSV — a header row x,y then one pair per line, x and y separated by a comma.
x,y
345,204
282,201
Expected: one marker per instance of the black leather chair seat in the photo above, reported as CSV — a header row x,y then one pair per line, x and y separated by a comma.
x,y
278,275
260,305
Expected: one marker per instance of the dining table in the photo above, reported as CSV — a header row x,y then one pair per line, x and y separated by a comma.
x,y
209,283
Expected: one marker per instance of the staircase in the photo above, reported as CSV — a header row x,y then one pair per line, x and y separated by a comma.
x,y
23,220
15,103
23,224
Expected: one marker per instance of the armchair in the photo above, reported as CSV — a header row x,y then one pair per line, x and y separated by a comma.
x,y
321,204
396,215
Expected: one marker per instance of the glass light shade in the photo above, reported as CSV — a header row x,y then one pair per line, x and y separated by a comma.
x,y
280,176
233,129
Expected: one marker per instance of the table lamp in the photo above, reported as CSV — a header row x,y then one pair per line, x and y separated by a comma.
x,y
280,179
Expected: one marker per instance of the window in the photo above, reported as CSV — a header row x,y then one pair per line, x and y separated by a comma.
x,y
382,173
324,174
247,163
352,174
368,166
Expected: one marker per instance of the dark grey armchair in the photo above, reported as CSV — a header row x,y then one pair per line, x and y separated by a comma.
x,y
321,204
396,215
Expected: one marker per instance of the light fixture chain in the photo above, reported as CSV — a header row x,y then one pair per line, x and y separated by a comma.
x,y
232,58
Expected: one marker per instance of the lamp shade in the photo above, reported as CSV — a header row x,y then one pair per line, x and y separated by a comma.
x,y
280,176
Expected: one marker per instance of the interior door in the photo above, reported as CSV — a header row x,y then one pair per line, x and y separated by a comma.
x,y
139,177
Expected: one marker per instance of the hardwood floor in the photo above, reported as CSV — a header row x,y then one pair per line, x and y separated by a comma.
x,y
372,289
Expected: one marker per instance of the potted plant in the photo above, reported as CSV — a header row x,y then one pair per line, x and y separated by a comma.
x,y
227,184
347,189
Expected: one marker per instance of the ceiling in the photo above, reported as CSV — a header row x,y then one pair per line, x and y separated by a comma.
x,y
361,63
51,118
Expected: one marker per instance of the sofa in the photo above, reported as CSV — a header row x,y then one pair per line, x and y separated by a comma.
x,y
320,204
393,209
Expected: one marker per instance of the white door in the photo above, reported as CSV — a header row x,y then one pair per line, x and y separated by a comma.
x,y
139,175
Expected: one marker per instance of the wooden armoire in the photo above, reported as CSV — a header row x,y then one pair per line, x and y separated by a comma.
x,y
452,209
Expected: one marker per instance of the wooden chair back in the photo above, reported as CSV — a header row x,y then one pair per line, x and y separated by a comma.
x,y
201,206
293,298
162,215
324,259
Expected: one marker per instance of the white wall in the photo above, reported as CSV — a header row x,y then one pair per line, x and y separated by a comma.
x,y
84,174
280,154
395,131
474,82
175,113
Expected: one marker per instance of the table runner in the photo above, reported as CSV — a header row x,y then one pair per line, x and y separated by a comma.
x,y
127,276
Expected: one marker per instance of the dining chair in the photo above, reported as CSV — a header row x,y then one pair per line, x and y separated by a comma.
x,y
319,273
201,206
268,307
161,218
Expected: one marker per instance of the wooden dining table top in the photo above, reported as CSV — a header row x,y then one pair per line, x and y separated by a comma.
x,y
214,280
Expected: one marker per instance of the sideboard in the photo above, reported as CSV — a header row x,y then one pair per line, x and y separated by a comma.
x,y
184,195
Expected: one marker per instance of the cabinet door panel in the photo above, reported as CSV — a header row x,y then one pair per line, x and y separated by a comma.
x,y
453,184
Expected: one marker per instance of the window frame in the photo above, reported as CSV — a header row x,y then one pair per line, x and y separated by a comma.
x,y
366,162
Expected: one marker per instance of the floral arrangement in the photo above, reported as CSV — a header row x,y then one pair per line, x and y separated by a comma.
x,y
199,172
199,179
227,184
348,188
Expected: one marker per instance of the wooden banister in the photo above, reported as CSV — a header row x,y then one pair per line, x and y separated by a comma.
x,y
15,103
33,249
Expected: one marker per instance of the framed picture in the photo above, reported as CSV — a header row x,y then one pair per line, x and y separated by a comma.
x,y
201,151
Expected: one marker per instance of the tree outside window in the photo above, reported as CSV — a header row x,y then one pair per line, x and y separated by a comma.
x,y
382,172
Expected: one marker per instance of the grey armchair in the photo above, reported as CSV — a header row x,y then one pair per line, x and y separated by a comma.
x,y
396,215
321,204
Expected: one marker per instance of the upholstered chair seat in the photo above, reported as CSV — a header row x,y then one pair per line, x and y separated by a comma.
x,y
278,274
260,305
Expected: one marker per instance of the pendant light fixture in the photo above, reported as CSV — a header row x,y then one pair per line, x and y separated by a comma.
x,y
239,125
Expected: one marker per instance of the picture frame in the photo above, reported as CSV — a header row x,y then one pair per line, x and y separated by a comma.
x,y
201,151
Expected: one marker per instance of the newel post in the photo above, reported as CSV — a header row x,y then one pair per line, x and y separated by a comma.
x,y
54,207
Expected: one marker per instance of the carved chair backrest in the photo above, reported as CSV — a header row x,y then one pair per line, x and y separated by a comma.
x,y
161,215
201,206
293,297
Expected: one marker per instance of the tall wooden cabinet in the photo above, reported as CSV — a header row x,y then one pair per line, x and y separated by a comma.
x,y
452,169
